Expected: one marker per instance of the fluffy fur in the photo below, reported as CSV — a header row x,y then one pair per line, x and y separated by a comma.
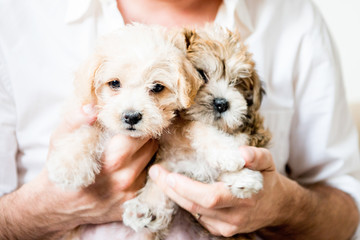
x,y
137,87
203,143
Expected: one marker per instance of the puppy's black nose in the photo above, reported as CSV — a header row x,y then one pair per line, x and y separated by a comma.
x,y
132,117
221,105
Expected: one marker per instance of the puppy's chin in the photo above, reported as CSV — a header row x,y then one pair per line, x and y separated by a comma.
x,y
224,122
134,133
140,130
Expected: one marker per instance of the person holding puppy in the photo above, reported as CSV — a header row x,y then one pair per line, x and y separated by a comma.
x,y
311,173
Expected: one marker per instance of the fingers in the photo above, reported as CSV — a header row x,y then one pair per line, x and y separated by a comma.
x,y
129,173
86,115
121,148
258,159
189,194
125,158
216,212
218,227
142,157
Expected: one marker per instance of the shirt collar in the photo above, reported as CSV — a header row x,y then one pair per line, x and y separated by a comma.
x,y
76,10
232,14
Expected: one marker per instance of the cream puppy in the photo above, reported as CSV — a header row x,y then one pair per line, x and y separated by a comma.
x,y
138,78
203,144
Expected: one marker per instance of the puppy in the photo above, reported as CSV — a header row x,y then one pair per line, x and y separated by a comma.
x,y
203,144
137,87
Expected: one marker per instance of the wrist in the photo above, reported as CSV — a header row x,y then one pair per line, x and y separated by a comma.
x,y
293,209
22,218
42,203
291,205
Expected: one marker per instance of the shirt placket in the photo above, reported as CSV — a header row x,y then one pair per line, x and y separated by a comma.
x,y
112,17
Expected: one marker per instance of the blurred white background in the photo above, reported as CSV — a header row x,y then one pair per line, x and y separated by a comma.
x,y
343,19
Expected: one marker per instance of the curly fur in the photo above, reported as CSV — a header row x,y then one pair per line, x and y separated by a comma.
x,y
203,142
119,78
187,146
137,66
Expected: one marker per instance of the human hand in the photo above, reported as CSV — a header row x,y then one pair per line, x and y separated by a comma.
x,y
122,175
222,213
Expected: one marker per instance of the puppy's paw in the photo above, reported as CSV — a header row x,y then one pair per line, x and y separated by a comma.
x,y
244,183
139,215
73,173
227,160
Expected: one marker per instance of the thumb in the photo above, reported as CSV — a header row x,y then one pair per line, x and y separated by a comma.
x,y
258,159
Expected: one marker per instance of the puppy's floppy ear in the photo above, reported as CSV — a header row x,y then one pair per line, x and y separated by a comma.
x,y
189,81
182,39
190,37
257,91
188,84
84,82
250,84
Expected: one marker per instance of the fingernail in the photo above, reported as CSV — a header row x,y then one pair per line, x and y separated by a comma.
x,y
170,180
89,109
154,172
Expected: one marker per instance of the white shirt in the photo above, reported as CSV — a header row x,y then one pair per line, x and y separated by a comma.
x,y
43,42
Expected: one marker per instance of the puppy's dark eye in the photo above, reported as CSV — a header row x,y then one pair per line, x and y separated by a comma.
x,y
157,88
203,75
114,84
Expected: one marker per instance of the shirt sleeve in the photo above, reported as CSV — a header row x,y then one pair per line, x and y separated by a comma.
x,y
8,142
324,141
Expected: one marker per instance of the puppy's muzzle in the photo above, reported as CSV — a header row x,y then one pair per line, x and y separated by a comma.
x,y
220,105
131,117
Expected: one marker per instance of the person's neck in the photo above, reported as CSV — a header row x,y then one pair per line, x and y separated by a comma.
x,y
169,13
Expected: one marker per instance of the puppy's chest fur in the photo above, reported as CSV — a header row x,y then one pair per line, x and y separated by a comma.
x,y
204,153
197,150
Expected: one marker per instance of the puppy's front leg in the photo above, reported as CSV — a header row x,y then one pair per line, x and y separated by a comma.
x,y
243,183
74,160
151,210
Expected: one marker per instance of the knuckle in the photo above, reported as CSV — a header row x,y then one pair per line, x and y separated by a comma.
x,y
131,175
266,158
212,201
127,179
260,153
112,161
115,158
235,221
228,231
194,208
267,154
264,153
214,232
124,185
